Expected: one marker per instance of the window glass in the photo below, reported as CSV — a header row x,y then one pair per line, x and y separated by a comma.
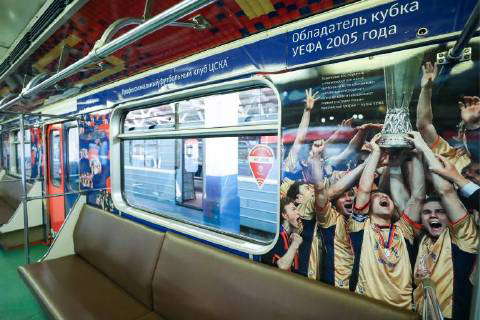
x,y
150,118
73,158
18,155
55,158
227,183
6,151
248,107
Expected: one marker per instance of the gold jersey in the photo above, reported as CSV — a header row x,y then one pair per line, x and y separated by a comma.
x,y
434,260
385,271
343,252
441,147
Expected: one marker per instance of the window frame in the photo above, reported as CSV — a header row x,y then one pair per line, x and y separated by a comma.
x,y
67,128
203,232
55,182
6,146
15,168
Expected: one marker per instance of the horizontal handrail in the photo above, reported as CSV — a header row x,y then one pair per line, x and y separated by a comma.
x,y
159,21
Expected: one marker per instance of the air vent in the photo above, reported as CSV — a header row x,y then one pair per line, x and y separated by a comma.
x,y
4,66
21,47
47,17
52,12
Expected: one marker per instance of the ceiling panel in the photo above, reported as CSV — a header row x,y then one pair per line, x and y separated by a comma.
x,y
229,20
15,15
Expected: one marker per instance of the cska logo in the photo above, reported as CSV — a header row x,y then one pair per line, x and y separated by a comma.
x,y
260,159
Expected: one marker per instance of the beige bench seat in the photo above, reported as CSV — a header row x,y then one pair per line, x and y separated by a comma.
x,y
11,192
70,286
122,270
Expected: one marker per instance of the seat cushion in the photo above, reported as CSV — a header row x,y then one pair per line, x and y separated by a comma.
x,y
194,281
125,251
70,288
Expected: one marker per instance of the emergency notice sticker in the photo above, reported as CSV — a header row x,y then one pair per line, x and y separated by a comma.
x,y
260,159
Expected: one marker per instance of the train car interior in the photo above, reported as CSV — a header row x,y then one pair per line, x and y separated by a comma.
x,y
239,159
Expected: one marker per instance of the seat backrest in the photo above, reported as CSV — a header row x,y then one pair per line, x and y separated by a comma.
x,y
11,191
194,281
126,252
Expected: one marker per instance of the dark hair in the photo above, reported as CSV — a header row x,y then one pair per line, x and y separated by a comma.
x,y
283,203
396,212
294,190
432,198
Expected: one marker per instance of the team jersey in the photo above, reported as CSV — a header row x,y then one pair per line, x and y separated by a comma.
x,y
441,147
339,253
382,268
306,209
291,163
279,250
310,250
438,259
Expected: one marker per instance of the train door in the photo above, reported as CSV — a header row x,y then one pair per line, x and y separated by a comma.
x,y
55,179
71,164
191,174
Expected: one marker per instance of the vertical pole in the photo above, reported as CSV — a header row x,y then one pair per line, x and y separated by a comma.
x,y
24,189
475,304
44,155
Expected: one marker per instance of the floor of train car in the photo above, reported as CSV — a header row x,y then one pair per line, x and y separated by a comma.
x,y
16,301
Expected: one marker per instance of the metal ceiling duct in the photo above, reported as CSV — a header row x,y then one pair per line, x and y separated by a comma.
x,y
161,20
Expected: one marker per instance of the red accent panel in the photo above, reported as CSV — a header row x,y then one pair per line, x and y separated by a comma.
x,y
55,205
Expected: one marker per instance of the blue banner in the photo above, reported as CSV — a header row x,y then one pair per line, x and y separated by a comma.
x,y
384,25
381,26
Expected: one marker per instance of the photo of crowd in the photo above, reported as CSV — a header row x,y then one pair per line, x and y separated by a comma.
x,y
381,179
94,158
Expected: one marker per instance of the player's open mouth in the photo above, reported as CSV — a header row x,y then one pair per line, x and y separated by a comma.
x,y
435,225
348,205
384,203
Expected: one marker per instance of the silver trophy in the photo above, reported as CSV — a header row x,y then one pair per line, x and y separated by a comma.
x,y
400,80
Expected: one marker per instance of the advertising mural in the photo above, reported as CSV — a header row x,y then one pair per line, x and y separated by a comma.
x,y
380,176
94,161
36,153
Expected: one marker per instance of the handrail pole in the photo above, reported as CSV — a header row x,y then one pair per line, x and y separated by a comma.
x,y
454,55
159,21
470,27
53,195
26,237
44,161
475,305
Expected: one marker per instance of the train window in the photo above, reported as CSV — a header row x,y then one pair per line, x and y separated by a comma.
x,y
6,151
73,158
253,107
214,166
55,158
156,117
27,150
168,176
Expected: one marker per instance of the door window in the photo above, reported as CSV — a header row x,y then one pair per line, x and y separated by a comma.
x,y
55,158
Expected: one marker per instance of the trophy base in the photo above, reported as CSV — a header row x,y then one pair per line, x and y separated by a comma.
x,y
394,141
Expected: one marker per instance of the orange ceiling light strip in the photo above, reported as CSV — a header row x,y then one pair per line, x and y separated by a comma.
x,y
255,8
71,41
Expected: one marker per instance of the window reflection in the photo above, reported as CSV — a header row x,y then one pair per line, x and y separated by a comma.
x,y
204,181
